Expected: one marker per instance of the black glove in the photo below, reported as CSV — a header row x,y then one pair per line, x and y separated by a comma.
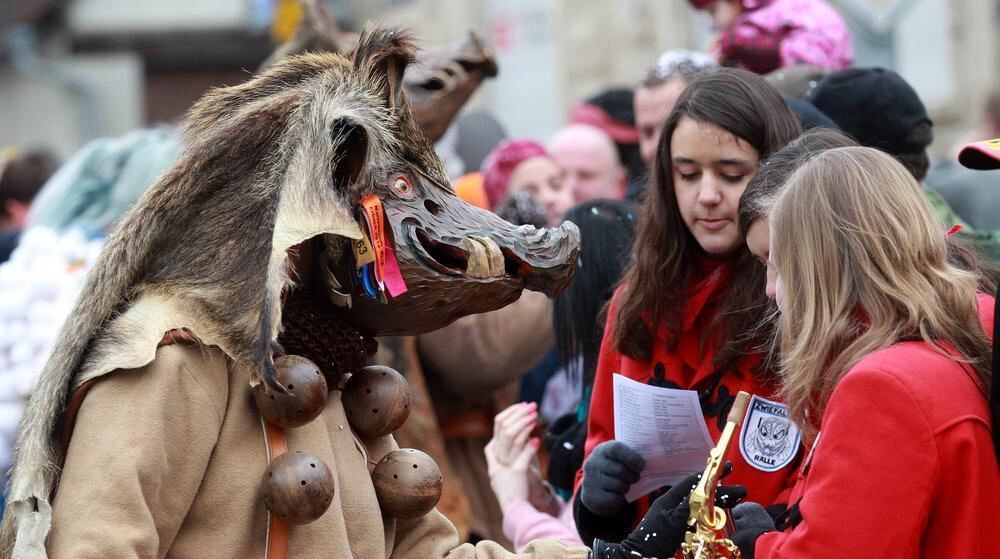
x,y
662,529
751,520
607,474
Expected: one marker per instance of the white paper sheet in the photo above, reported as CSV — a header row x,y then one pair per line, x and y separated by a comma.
x,y
666,427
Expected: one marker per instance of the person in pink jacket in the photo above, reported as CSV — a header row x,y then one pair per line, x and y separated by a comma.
x,y
764,35
531,510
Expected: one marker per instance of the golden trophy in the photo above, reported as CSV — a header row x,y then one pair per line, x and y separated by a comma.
x,y
708,540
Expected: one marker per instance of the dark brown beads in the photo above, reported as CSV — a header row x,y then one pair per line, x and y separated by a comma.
x,y
377,401
306,395
298,487
408,483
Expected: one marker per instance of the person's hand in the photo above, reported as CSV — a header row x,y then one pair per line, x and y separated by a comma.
x,y
510,481
608,473
510,452
751,520
511,429
662,530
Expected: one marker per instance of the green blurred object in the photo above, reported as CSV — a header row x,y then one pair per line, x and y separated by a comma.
x,y
986,241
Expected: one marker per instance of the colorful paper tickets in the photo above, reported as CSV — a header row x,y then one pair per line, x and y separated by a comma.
x,y
368,281
363,251
393,277
374,218
374,250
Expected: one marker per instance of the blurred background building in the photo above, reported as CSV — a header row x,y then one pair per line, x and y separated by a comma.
x,y
74,70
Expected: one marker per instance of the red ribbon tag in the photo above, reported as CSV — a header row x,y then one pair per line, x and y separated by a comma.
x,y
393,277
386,266
375,217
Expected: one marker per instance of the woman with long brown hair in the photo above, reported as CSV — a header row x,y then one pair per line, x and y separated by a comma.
x,y
885,363
687,313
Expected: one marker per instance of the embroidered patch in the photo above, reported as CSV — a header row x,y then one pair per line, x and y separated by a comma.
x,y
769,440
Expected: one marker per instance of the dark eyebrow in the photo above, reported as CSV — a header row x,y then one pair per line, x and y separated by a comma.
x,y
742,162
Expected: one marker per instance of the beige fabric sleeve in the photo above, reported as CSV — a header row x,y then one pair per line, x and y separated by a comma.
x,y
482,352
142,440
432,536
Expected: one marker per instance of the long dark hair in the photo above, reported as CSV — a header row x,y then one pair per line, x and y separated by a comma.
x,y
665,254
607,230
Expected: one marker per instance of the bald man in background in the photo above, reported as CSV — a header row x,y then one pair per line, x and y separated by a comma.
x,y
589,161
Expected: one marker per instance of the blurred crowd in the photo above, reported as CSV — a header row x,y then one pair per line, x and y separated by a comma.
x,y
520,398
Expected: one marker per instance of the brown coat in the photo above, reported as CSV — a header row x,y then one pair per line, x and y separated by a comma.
x,y
480,353
422,430
472,368
166,460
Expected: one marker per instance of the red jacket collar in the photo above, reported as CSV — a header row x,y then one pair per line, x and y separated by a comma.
x,y
713,275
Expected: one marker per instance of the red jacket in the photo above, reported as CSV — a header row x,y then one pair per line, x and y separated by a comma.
x,y
903,466
690,367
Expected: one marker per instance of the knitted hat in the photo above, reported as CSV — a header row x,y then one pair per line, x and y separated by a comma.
x,y
874,105
501,163
678,63
613,111
809,116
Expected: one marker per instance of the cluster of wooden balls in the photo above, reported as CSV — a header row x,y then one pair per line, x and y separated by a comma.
x,y
299,487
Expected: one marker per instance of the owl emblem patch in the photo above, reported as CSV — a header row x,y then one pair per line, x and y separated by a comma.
x,y
769,440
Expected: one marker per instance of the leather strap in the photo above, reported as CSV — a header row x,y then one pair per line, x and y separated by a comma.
x,y
277,529
178,336
69,420
474,424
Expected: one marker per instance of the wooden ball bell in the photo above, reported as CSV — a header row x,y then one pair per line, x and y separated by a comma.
x,y
306,395
377,401
408,483
298,487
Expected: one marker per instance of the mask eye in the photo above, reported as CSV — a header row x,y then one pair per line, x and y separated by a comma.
x,y
402,187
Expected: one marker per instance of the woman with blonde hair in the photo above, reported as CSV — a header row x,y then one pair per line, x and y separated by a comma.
x,y
885,364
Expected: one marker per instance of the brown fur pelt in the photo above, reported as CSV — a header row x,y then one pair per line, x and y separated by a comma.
x,y
266,165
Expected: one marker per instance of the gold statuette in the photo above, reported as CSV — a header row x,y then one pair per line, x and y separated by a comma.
x,y
707,541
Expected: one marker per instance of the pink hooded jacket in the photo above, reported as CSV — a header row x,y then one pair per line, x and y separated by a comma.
x,y
772,34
